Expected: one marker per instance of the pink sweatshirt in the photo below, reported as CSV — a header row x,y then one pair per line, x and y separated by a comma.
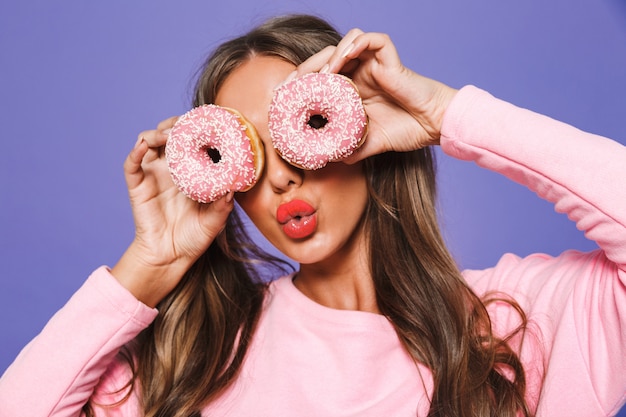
x,y
307,359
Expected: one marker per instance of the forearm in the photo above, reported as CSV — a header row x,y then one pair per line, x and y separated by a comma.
x,y
56,373
579,172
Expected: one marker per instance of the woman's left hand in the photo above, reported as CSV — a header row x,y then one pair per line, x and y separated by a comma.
x,y
405,109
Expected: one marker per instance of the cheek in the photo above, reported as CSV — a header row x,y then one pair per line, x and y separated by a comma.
x,y
346,197
348,184
247,201
253,205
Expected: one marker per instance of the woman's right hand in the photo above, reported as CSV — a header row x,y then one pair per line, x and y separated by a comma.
x,y
171,230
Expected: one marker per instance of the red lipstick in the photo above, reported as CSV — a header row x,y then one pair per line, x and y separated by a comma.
x,y
298,219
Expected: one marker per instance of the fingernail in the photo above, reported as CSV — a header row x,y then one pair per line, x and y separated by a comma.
x,y
290,77
325,69
167,131
229,196
139,142
347,51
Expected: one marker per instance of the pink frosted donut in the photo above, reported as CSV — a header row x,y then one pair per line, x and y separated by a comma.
x,y
212,150
316,119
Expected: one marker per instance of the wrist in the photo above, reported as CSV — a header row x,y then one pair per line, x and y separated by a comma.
x,y
445,96
148,281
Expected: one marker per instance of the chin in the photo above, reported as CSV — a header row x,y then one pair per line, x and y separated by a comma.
x,y
303,258
309,251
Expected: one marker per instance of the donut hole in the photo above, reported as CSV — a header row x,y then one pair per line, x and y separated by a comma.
x,y
317,121
214,154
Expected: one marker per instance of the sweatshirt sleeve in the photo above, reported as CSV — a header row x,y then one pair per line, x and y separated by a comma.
x,y
576,300
55,374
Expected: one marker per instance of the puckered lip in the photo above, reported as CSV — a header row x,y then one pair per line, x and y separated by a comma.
x,y
293,209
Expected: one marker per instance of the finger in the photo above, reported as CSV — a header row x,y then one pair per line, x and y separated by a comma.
x,y
167,123
345,43
337,62
313,64
132,165
225,202
376,141
349,68
369,148
356,156
319,62
154,138
158,137
378,44
155,141
216,214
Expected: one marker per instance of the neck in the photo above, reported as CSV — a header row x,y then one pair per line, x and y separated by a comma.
x,y
343,281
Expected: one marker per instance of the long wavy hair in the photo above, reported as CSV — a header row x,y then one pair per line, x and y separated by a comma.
x,y
196,346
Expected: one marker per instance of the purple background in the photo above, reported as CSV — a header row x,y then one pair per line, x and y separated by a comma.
x,y
79,80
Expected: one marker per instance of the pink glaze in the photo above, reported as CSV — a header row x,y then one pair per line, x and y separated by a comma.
x,y
192,169
297,218
332,96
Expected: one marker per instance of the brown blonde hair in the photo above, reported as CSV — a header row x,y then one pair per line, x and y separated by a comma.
x,y
195,348
438,318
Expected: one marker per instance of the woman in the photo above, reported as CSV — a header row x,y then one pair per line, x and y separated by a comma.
x,y
377,320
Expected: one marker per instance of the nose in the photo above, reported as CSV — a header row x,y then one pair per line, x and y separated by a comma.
x,y
281,175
